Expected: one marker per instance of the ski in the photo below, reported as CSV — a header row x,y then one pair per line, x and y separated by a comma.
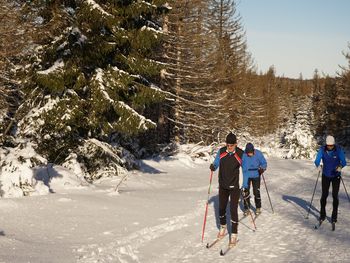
x,y
229,247
209,245
318,225
244,216
256,216
223,253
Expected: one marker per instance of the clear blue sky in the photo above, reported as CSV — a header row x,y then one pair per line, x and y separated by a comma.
x,y
297,36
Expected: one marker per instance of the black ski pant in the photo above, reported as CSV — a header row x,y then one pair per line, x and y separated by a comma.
x,y
256,191
224,195
326,181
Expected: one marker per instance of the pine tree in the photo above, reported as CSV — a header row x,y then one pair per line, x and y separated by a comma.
x,y
263,105
207,58
299,138
230,61
97,72
323,106
342,101
187,77
14,48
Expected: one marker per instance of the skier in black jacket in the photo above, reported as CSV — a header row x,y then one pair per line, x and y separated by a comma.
x,y
228,160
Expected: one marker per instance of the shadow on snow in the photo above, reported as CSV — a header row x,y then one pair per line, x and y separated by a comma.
x,y
45,174
214,200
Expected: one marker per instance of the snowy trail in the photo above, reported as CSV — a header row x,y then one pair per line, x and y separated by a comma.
x,y
285,236
158,216
123,249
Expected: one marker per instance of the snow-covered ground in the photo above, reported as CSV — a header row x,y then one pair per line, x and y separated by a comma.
x,y
157,216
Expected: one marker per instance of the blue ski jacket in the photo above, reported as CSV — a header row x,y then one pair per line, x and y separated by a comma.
x,y
331,160
251,165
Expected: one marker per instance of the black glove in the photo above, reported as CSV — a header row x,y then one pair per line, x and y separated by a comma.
x,y
261,171
212,167
245,193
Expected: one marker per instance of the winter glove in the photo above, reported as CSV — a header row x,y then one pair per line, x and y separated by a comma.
x,y
318,168
261,170
212,167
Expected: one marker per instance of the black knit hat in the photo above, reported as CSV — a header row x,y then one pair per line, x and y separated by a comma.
x,y
249,148
231,138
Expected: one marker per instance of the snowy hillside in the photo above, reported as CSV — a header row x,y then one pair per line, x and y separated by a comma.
x,y
158,213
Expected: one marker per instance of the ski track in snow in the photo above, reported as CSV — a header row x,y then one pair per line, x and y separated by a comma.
x,y
124,250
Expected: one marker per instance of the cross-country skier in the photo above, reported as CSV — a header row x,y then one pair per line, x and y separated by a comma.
x,y
253,165
333,160
228,160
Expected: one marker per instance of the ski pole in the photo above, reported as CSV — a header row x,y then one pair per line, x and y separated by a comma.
x,y
250,212
345,188
312,198
267,191
206,205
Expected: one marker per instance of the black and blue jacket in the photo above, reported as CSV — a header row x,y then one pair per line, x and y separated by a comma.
x,y
228,164
331,160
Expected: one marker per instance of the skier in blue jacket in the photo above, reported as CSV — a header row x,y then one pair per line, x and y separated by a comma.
x,y
253,165
333,160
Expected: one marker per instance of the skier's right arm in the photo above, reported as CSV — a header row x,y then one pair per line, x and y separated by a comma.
x,y
245,171
318,157
216,162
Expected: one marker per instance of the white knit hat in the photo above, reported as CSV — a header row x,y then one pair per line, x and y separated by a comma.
x,y
330,140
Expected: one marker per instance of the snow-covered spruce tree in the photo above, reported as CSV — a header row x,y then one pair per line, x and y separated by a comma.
x,y
299,138
95,75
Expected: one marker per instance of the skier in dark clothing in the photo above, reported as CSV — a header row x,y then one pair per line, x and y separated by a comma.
x,y
228,160
333,160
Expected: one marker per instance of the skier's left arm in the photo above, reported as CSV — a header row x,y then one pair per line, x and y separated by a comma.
x,y
263,163
342,158
342,161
